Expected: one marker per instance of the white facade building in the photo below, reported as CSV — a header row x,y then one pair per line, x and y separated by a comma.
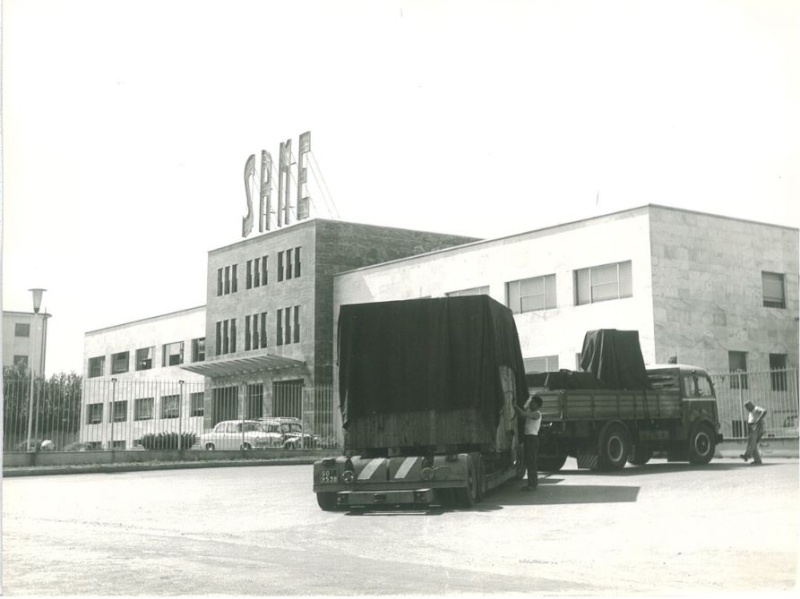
x,y
137,366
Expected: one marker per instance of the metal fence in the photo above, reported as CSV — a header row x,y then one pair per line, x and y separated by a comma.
x,y
128,415
66,414
774,390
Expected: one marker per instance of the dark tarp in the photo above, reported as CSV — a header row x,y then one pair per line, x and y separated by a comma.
x,y
563,379
615,358
427,354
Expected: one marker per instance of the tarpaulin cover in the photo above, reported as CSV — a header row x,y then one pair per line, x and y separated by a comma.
x,y
615,358
563,379
427,354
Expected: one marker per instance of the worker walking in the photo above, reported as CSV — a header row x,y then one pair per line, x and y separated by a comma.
x,y
533,421
755,430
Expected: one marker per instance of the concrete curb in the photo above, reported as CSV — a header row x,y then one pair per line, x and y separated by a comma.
x,y
140,466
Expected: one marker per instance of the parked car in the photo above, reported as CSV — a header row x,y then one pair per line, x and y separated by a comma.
x,y
239,434
294,437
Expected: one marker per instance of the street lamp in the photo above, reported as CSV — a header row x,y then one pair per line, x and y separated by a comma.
x,y
37,304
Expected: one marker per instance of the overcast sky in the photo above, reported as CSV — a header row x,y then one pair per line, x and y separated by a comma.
x,y
127,124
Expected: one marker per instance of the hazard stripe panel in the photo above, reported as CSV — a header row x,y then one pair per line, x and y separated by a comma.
x,y
405,467
370,468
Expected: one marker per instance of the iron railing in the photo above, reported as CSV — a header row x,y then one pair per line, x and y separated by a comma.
x,y
69,415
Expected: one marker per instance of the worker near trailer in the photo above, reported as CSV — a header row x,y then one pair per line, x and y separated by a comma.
x,y
532,414
755,430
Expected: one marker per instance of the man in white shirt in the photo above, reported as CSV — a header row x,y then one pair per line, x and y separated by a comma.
x,y
530,439
755,426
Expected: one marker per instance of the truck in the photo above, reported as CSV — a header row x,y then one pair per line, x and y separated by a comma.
x,y
426,391
616,410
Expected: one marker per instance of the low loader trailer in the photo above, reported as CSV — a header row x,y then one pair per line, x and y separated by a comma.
x,y
426,392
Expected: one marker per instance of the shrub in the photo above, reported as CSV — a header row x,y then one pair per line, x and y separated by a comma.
x,y
168,440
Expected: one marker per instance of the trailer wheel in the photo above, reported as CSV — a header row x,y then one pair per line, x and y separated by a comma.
x,y
327,501
552,463
640,455
614,446
468,495
701,444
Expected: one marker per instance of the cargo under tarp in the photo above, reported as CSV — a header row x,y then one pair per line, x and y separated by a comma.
x,y
423,355
615,359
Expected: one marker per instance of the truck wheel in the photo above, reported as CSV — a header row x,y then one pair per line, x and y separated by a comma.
x,y
640,455
467,496
614,446
701,444
327,501
552,463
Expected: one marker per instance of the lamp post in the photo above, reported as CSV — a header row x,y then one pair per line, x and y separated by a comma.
x,y
37,303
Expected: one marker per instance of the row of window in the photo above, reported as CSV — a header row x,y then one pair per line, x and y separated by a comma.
x,y
598,284
287,330
144,408
257,272
737,361
144,358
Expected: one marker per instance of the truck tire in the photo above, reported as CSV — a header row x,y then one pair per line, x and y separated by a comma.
x,y
327,501
640,455
614,446
701,444
552,463
467,496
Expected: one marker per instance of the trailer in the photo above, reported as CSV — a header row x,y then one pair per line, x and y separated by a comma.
x,y
426,391
619,411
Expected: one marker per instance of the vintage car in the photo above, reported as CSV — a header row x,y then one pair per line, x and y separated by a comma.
x,y
239,434
294,437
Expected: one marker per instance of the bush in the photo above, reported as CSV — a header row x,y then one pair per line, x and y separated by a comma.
x,y
168,440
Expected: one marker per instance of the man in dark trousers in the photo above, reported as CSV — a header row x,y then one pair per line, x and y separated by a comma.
x,y
755,430
532,414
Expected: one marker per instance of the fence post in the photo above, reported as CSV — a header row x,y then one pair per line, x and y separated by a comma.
x,y
180,415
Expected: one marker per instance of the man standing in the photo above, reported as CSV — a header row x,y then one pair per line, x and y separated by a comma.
x,y
530,439
755,430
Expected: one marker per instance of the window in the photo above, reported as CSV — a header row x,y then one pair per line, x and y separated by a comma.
x,y
144,358
247,333
226,336
296,262
234,280
219,282
541,364
199,349
777,365
143,409
118,445
288,326
601,283
225,333
171,406
256,338
264,272
527,295
120,362
22,329
737,362
94,413
263,329
472,291
97,366
218,338
256,273
21,361
296,338
279,327
280,266
227,287
233,335
288,264
119,411
172,354
197,401
249,275
773,290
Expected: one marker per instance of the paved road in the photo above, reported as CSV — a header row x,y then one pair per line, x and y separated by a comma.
x,y
663,528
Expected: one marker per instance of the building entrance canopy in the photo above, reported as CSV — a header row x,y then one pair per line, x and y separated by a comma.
x,y
234,366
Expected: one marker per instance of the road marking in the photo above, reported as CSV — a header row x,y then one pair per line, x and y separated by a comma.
x,y
370,468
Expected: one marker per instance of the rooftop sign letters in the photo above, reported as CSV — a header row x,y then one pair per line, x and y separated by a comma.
x,y
284,208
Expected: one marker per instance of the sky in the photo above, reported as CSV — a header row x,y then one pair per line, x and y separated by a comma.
x,y
127,124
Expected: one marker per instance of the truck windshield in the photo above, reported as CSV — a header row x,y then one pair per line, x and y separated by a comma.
x,y
697,385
